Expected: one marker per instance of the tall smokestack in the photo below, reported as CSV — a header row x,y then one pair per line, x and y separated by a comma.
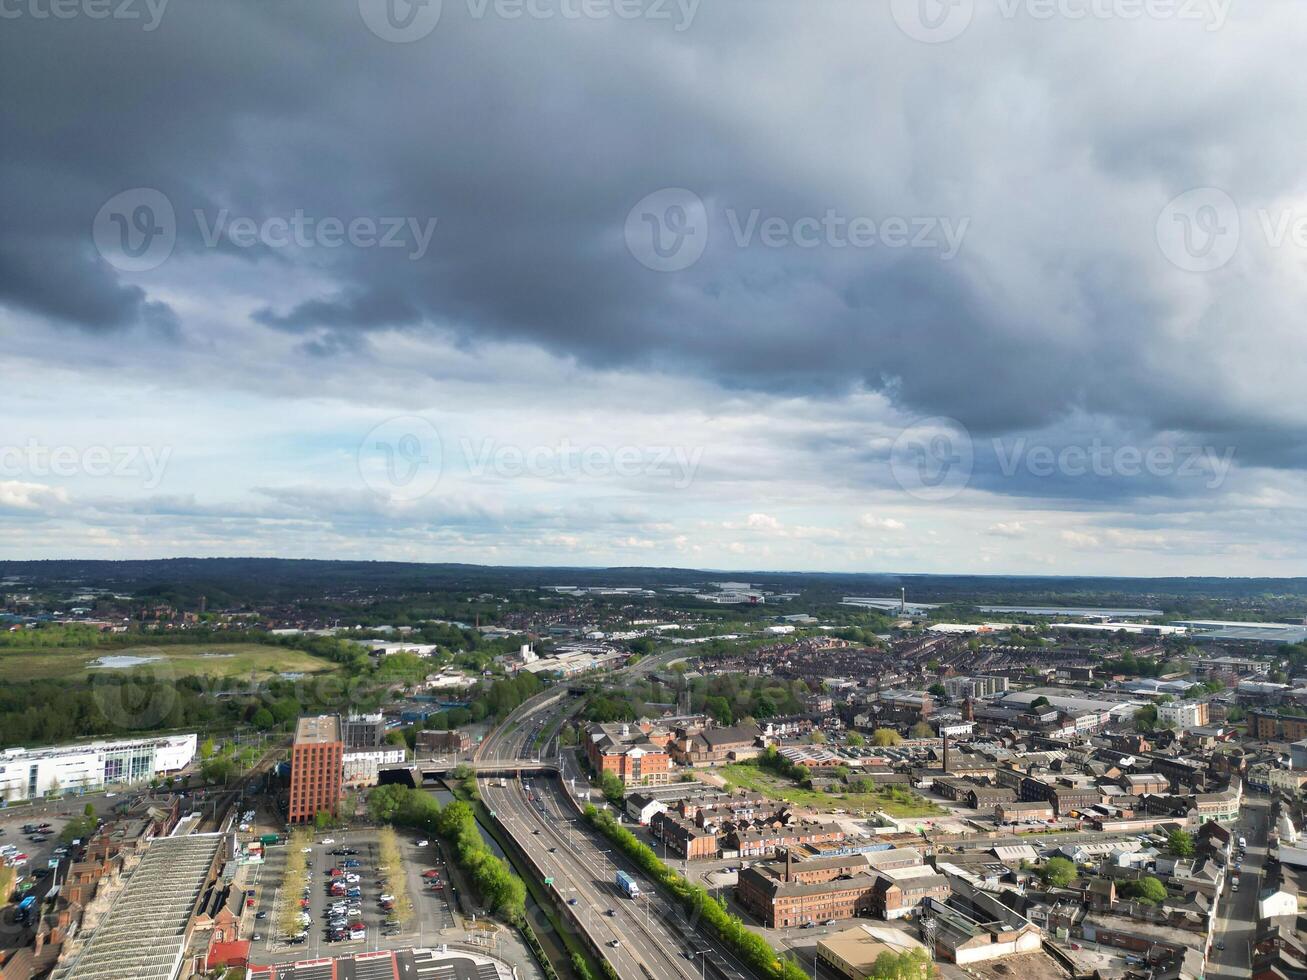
x,y
946,769
788,865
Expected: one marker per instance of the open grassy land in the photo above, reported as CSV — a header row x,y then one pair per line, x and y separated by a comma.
x,y
211,659
779,788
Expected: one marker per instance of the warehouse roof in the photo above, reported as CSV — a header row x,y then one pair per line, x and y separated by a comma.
x,y
143,935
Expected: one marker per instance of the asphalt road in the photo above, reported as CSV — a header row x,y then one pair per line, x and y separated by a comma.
x,y
1236,920
653,935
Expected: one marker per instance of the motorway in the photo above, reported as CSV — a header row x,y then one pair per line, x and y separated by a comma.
x,y
1236,920
653,934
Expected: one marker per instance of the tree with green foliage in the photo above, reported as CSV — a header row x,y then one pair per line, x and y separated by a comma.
x,y
1040,702
1058,872
912,964
855,740
1180,843
937,689
613,788
1147,890
921,730
719,709
883,737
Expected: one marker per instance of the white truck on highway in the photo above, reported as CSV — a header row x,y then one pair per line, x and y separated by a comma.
x,y
628,885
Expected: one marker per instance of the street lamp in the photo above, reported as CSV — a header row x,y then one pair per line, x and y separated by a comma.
x,y
703,959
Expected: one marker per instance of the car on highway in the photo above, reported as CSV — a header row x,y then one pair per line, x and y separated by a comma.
x,y
571,901
611,912
1220,944
327,840
614,943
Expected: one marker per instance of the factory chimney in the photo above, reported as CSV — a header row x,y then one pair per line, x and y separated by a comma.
x,y
946,768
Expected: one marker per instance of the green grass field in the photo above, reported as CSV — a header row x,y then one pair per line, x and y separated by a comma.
x,y
214,660
779,788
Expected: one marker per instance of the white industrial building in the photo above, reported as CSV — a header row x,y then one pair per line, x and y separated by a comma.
x,y
27,774
362,767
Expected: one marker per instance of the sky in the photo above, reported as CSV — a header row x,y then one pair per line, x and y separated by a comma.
x,y
989,286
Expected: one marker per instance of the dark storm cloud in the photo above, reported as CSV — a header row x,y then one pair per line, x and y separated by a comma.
x,y
530,142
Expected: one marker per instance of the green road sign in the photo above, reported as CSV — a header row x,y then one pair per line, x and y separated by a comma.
x,y
549,881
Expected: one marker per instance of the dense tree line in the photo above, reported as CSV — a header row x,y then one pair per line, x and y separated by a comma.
x,y
497,886
746,944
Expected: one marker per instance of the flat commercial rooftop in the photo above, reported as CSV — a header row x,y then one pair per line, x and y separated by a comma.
x,y
318,729
1231,632
412,964
143,936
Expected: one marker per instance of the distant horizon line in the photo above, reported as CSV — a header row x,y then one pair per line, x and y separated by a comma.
x,y
658,568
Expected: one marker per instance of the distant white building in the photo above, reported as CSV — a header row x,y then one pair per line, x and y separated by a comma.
x,y
1183,715
29,774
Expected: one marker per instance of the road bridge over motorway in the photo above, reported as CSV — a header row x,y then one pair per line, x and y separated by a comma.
x,y
425,771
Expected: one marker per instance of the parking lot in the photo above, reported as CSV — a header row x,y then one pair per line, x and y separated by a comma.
x,y
431,909
38,854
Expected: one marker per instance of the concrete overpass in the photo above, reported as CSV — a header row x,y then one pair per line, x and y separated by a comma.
x,y
427,770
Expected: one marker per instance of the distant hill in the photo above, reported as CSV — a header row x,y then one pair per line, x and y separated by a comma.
x,y
287,579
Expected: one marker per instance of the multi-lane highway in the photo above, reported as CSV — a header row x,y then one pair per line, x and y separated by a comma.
x,y
1236,912
644,938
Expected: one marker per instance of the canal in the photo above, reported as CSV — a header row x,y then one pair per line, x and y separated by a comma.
x,y
555,950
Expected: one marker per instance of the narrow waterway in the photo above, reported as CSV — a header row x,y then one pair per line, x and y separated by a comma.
x,y
554,949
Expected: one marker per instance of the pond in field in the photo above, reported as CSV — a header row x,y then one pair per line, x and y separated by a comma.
x,y
119,661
